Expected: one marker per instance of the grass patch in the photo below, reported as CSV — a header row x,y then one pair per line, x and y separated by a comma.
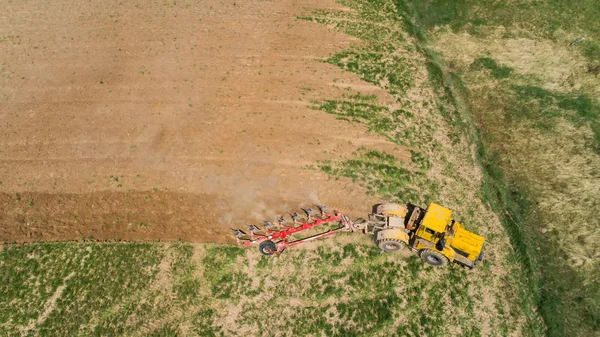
x,y
221,270
375,67
380,119
337,289
497,71
381,174
41,284
352,289
537,103
186,285
68,289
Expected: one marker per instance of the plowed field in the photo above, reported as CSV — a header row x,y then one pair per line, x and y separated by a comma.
x,y
163,120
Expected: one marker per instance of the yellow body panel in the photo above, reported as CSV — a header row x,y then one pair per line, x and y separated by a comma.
x,y
422,233
466,241
449,253
437,218
393,233
418,246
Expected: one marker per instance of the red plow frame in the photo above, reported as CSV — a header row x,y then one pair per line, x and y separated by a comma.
x,y
276,241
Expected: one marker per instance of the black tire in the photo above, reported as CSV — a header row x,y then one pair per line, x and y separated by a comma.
x,y
479,259
434,258
390,245
267,247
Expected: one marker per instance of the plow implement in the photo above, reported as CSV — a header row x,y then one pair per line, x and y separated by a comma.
x,y
274,239
432,233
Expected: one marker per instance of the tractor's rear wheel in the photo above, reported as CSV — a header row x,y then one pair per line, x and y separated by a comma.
x,y
390,245
267,247
434,258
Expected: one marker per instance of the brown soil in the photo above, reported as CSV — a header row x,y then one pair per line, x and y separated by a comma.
x,y
164,121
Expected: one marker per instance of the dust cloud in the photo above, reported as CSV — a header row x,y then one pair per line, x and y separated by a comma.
x,y
252,201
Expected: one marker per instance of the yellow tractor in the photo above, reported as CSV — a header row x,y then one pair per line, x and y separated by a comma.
x,y
432,233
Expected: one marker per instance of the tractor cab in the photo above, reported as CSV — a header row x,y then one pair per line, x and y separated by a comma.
x,y
434,225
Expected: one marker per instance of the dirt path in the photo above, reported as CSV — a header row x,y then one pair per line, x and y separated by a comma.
x,y
105,103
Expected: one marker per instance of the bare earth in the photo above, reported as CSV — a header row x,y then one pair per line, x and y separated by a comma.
x,y
164,121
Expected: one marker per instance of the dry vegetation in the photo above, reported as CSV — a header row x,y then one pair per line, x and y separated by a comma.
x,y
535,97
549,144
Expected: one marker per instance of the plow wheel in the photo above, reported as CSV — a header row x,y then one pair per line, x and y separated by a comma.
x,y
390,245
267,247
434,258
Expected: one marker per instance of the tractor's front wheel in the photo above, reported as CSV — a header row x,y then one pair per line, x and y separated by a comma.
x,y
434,258
390,245
267,247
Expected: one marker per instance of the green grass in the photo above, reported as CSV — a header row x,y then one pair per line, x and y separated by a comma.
x,y
546,17
93,277
497,71
376,67
69,289
337,289
367,301
544,108
376,62
380,119
382,175
222,272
